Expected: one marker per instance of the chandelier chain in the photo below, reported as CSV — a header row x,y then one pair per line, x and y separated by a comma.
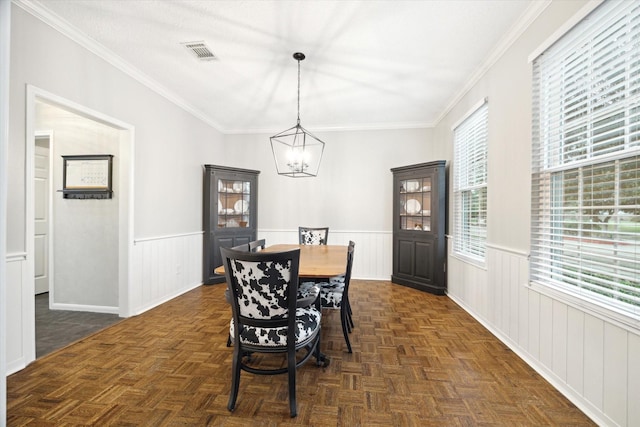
x,y
298,91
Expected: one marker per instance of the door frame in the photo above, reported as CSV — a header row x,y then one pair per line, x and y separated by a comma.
x,y
125,210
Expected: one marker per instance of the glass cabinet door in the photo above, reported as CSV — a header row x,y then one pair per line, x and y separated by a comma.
x,y
415,204
234,199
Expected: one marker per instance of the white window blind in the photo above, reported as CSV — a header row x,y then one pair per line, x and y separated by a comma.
x,y
586,160
470,185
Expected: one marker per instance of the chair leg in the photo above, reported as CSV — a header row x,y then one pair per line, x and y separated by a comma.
x,y
345,326
291,359
235,377
316,352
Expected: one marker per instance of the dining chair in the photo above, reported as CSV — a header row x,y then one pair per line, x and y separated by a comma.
x,y
265,318
313,235
308,293
243,247
335,295
257,245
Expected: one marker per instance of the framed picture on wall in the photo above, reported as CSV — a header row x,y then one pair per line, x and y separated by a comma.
x,y
87,176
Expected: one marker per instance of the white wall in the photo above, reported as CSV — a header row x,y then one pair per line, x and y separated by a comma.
x,y
588,355
171,145
5,37
84,232
353,189
352,193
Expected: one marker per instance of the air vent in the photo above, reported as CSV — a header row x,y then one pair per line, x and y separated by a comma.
x,y
200,50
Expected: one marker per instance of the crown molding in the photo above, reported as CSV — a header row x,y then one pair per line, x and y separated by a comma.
x,y
65,28
524,21
336,128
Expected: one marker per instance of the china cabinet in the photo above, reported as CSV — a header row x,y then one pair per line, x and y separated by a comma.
x,y
230,213
419,219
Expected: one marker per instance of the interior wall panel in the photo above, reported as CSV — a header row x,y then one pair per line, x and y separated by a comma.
x,y
546,321
590,360
633,379
575,349
520,275
165,267
615,374
559,340
594,360
19,315
533,346
523,317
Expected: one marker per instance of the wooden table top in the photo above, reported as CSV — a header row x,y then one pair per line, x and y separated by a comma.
x,y
316,261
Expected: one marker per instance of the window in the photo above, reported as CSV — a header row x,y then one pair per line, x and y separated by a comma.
x,y
586,160
470,184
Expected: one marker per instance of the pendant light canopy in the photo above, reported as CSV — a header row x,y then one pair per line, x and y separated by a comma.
x,y
296,151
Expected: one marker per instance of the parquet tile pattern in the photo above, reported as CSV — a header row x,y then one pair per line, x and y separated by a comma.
x,y
418,360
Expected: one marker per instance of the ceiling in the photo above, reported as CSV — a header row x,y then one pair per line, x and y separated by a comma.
x,y
369,64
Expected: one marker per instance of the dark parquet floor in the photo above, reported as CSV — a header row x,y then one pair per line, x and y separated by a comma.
x,y
418,360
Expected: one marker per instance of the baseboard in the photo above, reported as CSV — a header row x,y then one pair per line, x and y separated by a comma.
x,y
16,365
84,307
160,301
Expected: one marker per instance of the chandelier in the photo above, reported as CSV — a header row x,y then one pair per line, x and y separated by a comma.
x,y
296,151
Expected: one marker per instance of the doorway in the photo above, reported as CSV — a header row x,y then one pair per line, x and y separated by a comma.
x,y
41,207
41,266
55,328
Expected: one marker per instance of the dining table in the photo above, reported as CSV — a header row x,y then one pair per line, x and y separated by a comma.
x,y
316,261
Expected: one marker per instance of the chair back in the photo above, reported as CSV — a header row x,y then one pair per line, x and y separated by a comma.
x,y
263,285
313,235
243,247
257,245
347,274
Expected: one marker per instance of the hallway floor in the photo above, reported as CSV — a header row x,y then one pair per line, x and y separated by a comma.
x,y
57,328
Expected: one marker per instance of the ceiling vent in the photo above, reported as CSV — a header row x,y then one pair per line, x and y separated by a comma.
x,y
200,50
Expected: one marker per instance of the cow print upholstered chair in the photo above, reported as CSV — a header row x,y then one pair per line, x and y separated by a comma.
x,y
313,235
266,320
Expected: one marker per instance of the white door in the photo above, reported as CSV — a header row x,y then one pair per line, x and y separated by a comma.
x,y
41,211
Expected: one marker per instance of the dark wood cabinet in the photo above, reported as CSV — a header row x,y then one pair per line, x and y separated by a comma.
x,y
230,214
419,224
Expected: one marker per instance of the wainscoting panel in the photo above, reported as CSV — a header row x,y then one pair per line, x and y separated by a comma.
x,y
589,357
20,323
633,376
560,339
163,268
373,254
